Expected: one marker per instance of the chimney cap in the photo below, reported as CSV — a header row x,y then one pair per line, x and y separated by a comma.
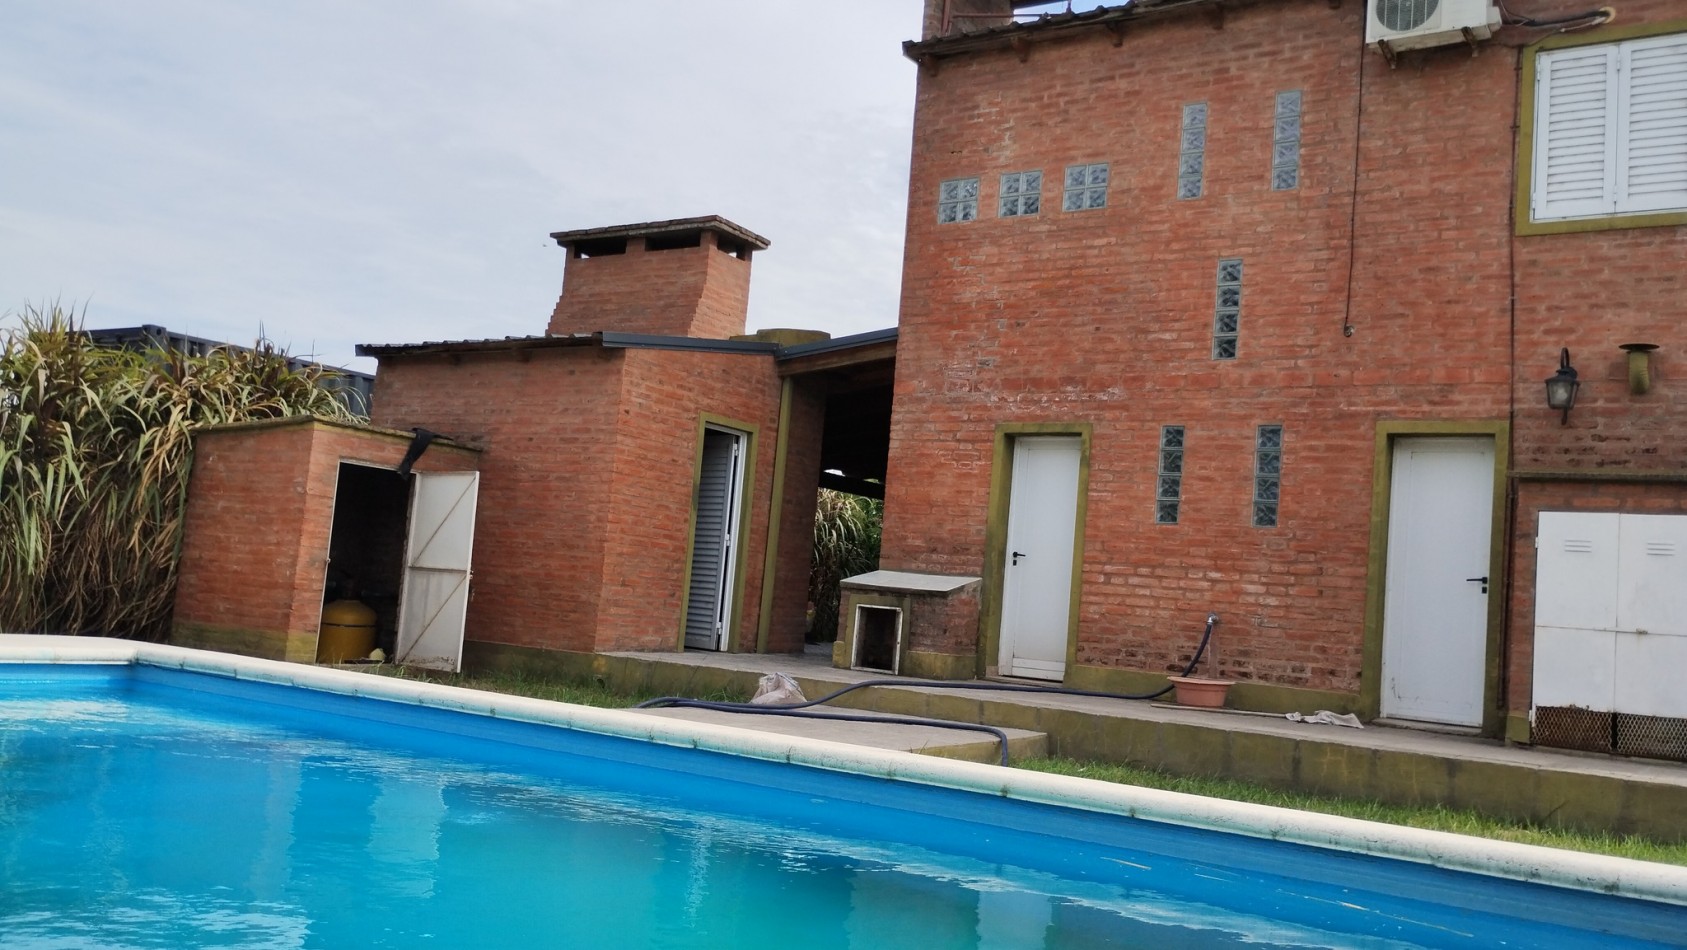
x,y
712,222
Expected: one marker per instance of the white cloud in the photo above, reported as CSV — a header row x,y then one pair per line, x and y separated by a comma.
x,y
389,172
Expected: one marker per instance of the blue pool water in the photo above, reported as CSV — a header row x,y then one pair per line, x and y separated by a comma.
x,y
147,808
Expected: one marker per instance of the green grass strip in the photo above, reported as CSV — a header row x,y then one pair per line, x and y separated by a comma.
x,y
1433,817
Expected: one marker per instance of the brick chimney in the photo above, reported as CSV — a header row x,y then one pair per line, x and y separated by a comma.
x,y
688,277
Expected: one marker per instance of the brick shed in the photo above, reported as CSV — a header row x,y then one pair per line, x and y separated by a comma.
x,y
645,475
649,470
286,514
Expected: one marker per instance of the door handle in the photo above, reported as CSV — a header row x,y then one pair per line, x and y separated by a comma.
x,y
1016,556
1478,580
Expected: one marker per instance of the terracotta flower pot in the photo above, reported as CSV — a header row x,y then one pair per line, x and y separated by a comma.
x,y
1200,691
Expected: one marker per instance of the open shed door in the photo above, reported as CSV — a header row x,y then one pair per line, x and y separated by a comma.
x,y
435,593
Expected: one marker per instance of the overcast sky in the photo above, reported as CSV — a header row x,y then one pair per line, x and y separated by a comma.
x,y
381,172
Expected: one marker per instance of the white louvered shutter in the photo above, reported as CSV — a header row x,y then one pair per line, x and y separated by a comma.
x,y
707,604
1652,130
1575,133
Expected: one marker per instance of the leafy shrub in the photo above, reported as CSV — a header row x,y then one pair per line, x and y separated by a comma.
x,y
846,543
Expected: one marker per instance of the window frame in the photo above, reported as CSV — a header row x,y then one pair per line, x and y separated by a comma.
x,y
1019,193
1528,131
961,201
1282,138
1231,309
1192,151
1170,475
1067,189
1263,478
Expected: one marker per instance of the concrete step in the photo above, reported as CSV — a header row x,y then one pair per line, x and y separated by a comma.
x,y
947,743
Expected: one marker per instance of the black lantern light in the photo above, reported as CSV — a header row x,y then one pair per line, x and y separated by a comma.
x,y
1561,386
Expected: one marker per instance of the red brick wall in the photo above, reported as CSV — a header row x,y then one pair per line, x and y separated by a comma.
x,y
244,533
588,472
664,395
696,291
544,419
260,508
796,537
1590,292
1105,317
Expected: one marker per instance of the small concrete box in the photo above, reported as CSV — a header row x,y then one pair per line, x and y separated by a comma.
x,y
909,624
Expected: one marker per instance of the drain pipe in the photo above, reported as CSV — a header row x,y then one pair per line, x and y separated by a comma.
x,y
802,710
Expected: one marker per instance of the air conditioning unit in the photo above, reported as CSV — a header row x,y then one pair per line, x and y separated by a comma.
x,y
1393,25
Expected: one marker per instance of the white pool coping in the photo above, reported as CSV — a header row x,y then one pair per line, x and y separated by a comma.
x,y
1625,877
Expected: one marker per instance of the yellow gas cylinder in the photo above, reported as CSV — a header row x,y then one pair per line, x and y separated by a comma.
x,y
347,633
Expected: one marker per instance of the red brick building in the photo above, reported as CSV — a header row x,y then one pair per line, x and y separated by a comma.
x,y
646,473
1209,306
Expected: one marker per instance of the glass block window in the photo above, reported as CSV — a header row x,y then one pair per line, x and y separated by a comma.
x,y
957,200
1086,187
1227,309
1268,474
1192,153
1285,142
1169,494
1022,194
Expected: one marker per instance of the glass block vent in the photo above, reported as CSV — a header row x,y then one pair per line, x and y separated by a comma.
x,y
1086,187
1192,152
1169,494
1285,142
1268,474
1022,194
957,200
1227,309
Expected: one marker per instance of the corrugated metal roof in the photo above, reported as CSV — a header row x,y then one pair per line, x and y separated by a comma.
x,y
626,341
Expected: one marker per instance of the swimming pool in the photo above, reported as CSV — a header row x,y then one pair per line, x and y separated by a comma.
x,y
160,797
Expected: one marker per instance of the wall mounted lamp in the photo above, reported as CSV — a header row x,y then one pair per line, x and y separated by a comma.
x,y
1561,386
1639,366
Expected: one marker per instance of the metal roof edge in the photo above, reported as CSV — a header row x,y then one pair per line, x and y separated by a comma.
x,y
651,341
870,338
708,222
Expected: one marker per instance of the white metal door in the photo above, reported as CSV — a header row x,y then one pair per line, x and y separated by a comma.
x,y
714,547
1037,566
1435,603
1575,609
435,594
1611,612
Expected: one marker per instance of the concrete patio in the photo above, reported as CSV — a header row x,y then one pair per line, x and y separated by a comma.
x,y
1404,766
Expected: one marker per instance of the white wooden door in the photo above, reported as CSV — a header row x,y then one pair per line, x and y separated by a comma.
x,y
1435,603
714,543
1037,565
434,597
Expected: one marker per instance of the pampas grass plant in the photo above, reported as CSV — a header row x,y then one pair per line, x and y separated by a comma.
x,y
95,449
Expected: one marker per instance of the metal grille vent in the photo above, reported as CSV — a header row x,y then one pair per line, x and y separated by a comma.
x,y
1571,727
1403,15
1656,737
